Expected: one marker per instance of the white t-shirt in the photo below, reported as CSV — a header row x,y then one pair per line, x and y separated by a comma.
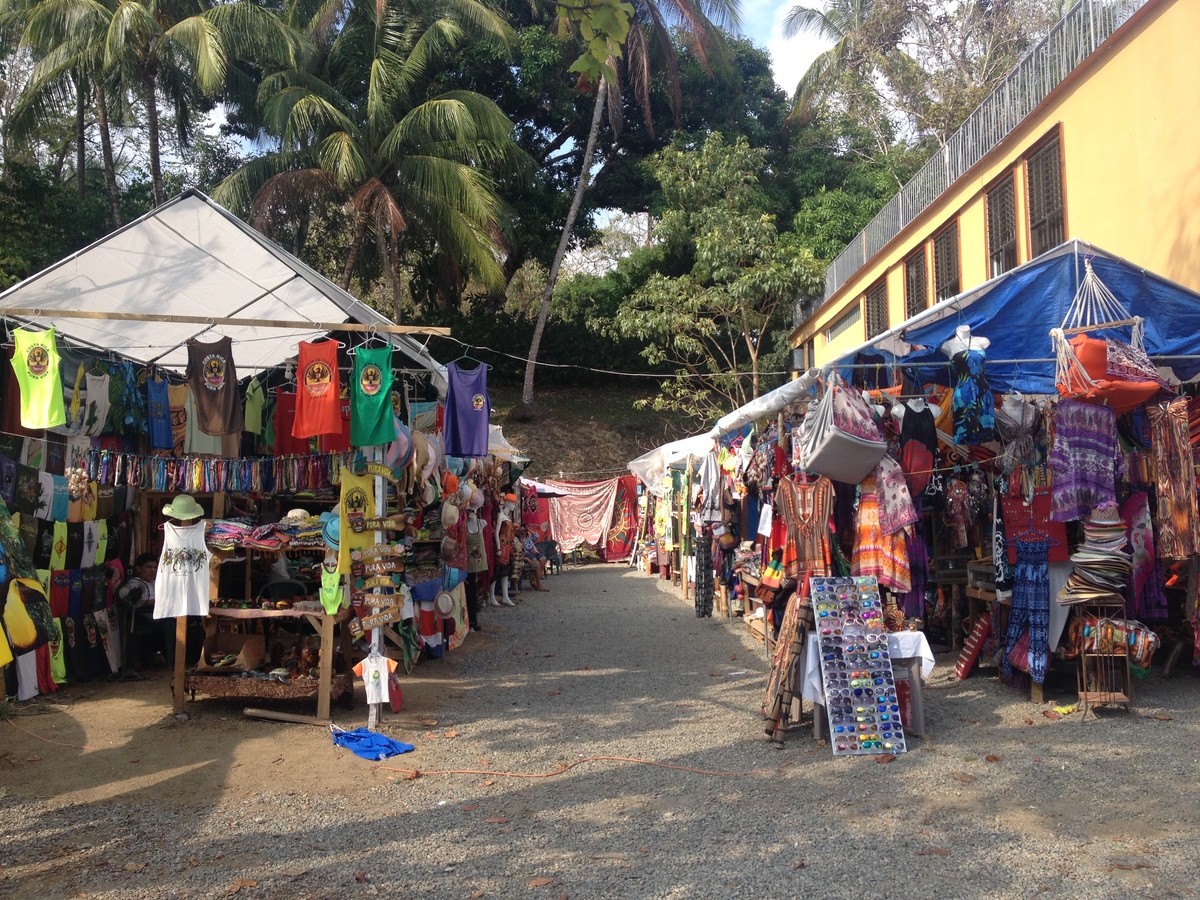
x,y
374,672
181,586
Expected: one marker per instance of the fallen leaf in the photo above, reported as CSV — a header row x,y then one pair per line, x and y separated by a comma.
x,y
884,758
134,867
553,693
276,762
427,722
1158,716
478,895
360,877
964,777
933,851
432,735
992,757
1130,867
470,807
1029,721
685,704
549,655
499,820
799,865
452,733
33,759
1051,715
489,782
413,775
540,882
733,656
132,761
238,884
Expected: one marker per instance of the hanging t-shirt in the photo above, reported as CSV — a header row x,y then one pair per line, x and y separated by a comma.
x,y
60,593
371,420
89,501
110,637
212,377
177,400
159,403
374,671
255,400
318,392
332,590
198,442
91,534
58,550
45,501
36,362
468,411
181,586
97,405
336,443
285,416
357,499
62,499
58,663
8,480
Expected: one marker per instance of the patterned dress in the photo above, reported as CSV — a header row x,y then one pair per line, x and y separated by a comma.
x,y
974,405
1086,459
1174,482
806,509
883,555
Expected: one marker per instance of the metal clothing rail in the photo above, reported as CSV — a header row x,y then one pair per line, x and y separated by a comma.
x,y
35,313
900,364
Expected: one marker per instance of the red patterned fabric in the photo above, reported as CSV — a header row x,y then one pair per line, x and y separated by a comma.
x,y
583,516
623,533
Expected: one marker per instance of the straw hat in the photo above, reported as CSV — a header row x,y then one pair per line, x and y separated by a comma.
x,y
444,604
183,507
296,516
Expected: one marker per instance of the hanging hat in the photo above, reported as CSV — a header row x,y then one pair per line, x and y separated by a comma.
x,y
296,516
454,577
449,483
444,604
449,549
400,451
420,454
183,507
331,529
510,498
477,497
449,515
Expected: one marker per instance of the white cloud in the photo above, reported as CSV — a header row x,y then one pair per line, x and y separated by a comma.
x,y
762,22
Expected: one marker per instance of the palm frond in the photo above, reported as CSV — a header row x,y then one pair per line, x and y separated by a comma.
x,y
343,158
201,41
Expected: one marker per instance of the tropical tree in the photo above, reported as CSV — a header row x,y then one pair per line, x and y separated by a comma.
x,y
365,124
643,41
713,324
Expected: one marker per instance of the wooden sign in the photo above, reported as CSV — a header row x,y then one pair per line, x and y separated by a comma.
x,y
381,581
383,566
380,618
383,471
377,550
396,522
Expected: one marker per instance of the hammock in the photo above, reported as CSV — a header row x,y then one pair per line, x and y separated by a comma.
x,y
1102,370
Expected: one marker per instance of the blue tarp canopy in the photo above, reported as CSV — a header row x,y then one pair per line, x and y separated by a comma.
x,y
1016,311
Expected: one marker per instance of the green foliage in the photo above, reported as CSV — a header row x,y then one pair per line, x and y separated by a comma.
x,y
603,26
712,324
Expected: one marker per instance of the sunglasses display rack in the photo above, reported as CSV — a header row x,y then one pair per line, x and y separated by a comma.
x,y
856,668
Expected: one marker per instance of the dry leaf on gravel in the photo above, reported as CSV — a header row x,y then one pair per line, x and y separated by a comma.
x,y
1130,867
964,777
470,807
427,722
432,735
992,757
733,656
452,733
1029,721
489,782
1158,716
553,693
548,655
295,871
478,895
540,882
1051,715
884,758
360,877
238,884
933,851
499,820
799,865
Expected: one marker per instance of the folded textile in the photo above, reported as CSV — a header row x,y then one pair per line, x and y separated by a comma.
x,y
368,744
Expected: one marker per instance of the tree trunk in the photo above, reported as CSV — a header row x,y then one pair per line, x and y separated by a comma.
x,y
391,271
580,189
80,139
110,166
151,101
397,281
360,231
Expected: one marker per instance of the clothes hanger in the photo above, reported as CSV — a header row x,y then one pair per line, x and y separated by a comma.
x,y
1033,534
468,356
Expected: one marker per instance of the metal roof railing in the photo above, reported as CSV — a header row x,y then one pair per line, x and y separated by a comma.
x,y
1085,27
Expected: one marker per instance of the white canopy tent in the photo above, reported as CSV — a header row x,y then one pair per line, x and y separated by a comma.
x,y
650,467
193,258
766,405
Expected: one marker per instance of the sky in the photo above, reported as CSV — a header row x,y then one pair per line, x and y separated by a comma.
x,y
762,22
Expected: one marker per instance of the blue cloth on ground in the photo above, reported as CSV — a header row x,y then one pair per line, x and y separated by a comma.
x,y
369,744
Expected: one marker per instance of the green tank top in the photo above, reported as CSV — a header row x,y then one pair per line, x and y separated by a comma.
x,y
331,592
35,362
371,397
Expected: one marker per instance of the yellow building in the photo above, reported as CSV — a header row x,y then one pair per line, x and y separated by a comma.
x,y
1094,136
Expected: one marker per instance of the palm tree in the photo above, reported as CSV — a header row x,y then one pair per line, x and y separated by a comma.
x,y
648,47
364,123
861,31
181,50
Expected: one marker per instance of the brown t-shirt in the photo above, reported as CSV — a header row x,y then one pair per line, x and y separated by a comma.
x,y
212,377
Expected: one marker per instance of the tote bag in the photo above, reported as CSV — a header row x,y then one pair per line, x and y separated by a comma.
x,y
840,439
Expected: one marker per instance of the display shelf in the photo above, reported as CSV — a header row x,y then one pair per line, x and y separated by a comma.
x,y
1105,678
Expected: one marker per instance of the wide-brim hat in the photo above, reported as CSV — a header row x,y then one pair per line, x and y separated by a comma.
x,y
297,516
400,451
183,507
444,604
331,529
449,515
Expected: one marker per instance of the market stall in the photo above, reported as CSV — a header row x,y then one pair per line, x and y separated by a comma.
x,y
1009,476
185,395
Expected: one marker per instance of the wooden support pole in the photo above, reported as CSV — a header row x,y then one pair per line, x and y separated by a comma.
x,y
325,667
180,661
35,313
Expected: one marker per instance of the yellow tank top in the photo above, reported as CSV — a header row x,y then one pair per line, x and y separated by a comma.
x,y
35,363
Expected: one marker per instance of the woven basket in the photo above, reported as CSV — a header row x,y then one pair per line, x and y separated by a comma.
x,y
227,686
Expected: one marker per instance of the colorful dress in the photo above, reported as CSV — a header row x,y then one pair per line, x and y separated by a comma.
x,y
806,509
883,555
1146,597
1018,437
1174,482
1086,459
974,405
918,447
1030,608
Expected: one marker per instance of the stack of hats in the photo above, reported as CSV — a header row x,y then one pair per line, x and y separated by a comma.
x,y
1102,564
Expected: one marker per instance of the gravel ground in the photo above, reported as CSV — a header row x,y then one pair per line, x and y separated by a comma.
x,y
999,801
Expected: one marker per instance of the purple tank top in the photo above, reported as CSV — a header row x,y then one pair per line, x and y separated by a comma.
x,y
468,411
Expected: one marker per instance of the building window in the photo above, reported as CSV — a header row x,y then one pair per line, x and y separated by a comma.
x,y
1002,227
877,310
1044,169
916,284
945,263
843,324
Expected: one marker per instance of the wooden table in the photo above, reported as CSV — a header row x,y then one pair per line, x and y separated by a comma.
x,y
322,623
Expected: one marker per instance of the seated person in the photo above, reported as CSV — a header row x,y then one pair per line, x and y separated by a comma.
x,y
148,635
534,558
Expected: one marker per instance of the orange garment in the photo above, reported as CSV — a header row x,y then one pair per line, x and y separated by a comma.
x,y
318,391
